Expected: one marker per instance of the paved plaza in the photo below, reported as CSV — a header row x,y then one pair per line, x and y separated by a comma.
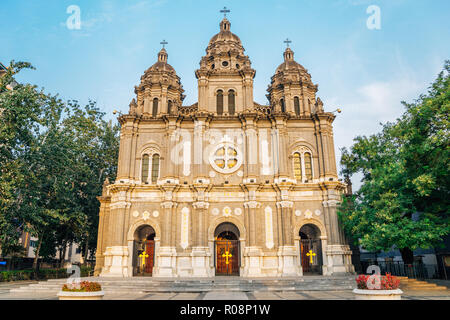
x,y
5,294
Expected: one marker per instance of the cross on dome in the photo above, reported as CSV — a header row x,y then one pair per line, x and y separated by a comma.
x,y
225,11
287,41
164,42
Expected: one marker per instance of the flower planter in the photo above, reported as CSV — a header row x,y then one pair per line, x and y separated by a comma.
x,y
68,295
365,294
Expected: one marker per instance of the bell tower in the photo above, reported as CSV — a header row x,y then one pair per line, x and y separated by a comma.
x,y
225,77
160,91
291,90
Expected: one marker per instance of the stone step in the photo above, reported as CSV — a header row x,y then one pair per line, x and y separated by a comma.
x,y
127,286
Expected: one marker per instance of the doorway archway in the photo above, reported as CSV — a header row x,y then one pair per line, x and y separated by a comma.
x,y
144,251
227,249
310,249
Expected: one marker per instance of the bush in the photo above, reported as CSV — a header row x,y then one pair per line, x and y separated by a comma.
x,y
387,282
84,286
42,274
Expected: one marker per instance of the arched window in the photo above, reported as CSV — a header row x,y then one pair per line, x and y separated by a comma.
x,y
303,166
297,166
231,102
145,167
297,106
283,106
308,167
169,107
220,102
155,168
155,107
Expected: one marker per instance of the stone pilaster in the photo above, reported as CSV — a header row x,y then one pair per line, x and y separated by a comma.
x,y
338,253
252,254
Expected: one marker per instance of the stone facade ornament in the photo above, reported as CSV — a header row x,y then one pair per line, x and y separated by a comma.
x,y
308,214
232,154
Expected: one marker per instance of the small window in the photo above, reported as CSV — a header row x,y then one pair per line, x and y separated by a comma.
x,y
155,107
308,166
225,63
213,66
297,166
169,107
283,106
155,168
238,66
220,102
297,106
231,102
145,167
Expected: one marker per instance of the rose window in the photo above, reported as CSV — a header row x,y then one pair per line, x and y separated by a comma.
x,y
226,158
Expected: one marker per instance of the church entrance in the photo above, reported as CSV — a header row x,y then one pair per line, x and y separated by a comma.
x,y
310,249
227,250
144,251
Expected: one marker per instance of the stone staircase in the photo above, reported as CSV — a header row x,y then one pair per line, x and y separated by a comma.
x,y
227,284
414,284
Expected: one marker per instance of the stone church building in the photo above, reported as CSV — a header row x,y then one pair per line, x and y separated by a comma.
x,y
225,186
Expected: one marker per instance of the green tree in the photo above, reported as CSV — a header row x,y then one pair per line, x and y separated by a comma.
x,y
404,198
54,157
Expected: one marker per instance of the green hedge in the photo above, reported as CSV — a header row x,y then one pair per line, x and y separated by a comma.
x,y
42,274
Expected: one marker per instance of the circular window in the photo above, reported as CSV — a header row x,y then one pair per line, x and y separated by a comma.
x,y
226,158
225,63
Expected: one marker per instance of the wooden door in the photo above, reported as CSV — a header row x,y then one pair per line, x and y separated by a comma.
x,y
311,256
304,249
227,257
150,256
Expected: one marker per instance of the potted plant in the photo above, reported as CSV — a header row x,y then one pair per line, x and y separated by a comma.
x,y
84,290
376,287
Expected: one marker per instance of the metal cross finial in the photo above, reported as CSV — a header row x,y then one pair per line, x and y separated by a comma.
x,y
164,42
287,41
225,11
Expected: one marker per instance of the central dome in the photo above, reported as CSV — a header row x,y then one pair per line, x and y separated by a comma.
x,y
225,37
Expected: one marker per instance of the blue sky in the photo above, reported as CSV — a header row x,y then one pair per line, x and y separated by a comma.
x,y
365,72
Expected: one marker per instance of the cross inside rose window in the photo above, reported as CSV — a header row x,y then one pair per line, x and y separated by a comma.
x,y
226,157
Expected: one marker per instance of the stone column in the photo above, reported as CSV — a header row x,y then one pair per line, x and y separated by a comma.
x,y
282,149
124,152
338,253
166,257
253,254
116,253
251,161
200,250
287,253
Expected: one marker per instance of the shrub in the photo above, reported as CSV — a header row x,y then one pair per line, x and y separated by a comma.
x,y
84,286
387,282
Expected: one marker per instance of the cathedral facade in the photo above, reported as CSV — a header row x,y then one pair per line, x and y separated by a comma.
x,y
225,186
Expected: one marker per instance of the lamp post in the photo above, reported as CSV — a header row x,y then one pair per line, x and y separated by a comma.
x,y
117,112
338,110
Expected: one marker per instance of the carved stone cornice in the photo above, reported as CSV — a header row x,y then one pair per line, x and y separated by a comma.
x,y
285,204
168,204
252,204
201,205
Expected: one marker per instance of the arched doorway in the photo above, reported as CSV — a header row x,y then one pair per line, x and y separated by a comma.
x,y
144,251
310,249
227,250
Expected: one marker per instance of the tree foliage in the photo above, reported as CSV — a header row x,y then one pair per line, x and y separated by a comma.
x,y
54,156
404,197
